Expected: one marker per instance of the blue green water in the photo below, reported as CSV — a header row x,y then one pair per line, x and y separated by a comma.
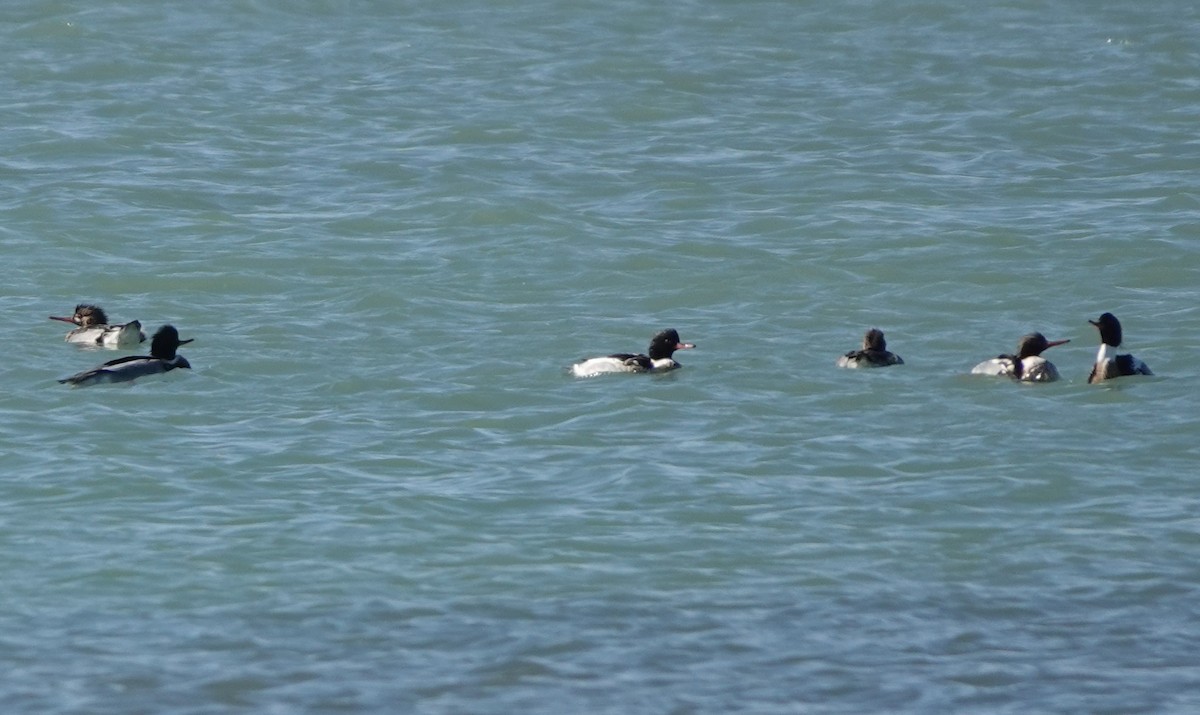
x,y
391,226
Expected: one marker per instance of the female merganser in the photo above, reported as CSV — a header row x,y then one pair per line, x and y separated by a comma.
x,y
1027,365
662,346
874,353
162,358
1108,365
94,329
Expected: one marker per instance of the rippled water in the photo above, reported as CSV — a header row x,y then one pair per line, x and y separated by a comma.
x,y
390,227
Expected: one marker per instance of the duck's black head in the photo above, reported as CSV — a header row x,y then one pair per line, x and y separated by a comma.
x,y
874,340
165,342
1110,329
664,344
1035,344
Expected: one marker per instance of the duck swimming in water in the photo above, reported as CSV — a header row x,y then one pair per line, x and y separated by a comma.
x,y
1027,365
94,329
1109,365
874,353
662,347
162,358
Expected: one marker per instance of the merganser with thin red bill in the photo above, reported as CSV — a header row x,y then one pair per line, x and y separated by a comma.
x,y
162,358
1027,365
1109,365
95,331
662,348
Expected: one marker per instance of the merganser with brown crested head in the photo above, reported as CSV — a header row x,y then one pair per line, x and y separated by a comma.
x,y
662,348
162,358
1109,365
874,353
1027,365
95,331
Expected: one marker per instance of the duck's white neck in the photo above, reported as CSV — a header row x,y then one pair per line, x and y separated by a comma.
x,y
1102,354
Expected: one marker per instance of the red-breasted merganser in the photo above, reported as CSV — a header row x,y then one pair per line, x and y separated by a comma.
x,y
1108,364
95,331
162,358
874,353
662,347
1027,365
